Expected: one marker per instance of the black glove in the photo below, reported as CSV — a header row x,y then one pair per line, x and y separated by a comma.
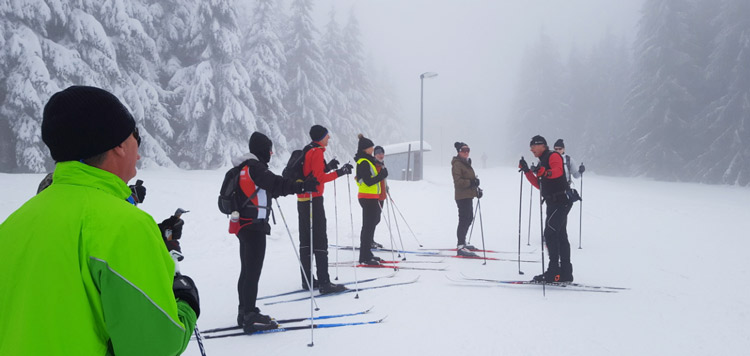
x,y
172,223
139,191
309,185
480,193
523,166
383,173
346,169
473,182
582,168
333,164
184,289
535,169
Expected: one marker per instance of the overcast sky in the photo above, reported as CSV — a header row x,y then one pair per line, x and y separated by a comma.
x,y
475,46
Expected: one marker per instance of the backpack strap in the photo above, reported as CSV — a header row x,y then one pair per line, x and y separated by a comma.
x,y
255,193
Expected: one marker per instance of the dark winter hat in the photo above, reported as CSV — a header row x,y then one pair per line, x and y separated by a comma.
x,y
538,140
81,122
458,146
260,145
364,143
559,143
318,133
379,150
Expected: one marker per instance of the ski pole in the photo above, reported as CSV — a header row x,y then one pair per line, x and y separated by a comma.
x,y
531,203
580,214
176,258
403,218
481,229
520,205
473,219
351,220
390,232
294,247
541,228
398,230
336,214
310,279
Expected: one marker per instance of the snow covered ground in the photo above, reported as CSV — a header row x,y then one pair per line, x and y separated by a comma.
x,y
678,247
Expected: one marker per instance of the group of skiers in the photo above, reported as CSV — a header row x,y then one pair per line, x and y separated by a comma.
x,y
82,233
552,176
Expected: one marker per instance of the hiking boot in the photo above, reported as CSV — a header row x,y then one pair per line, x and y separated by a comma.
x,y
315,284
547,277
463,251
255,321
376,245
328,288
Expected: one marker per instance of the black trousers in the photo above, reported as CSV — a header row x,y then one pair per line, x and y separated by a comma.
x,y
465,216
371,209
252,254
320,238
556,236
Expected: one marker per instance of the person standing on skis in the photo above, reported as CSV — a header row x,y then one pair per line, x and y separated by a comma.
x,y
466,187
549,178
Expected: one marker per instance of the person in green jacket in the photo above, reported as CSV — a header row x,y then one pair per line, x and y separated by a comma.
x,y
83,271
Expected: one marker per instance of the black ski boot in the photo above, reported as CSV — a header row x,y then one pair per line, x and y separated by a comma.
x,y
566,272
370,262
463,251
328,288
376,245
255,321
549,276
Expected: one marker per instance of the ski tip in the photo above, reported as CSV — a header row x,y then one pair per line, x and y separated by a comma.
x,y
381,319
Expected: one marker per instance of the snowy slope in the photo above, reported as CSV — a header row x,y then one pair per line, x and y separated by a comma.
x,y
679,248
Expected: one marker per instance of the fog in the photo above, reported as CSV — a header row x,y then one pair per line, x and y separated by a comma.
x,y
476,48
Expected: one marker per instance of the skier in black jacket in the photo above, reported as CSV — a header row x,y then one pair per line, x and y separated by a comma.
x,y
260,185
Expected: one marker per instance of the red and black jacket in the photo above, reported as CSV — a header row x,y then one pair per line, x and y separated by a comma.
x,y
551,174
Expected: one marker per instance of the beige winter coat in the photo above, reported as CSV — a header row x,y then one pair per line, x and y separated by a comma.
x,y
462,176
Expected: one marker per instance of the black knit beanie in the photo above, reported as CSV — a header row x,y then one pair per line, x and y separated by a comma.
x,y
559,143
260,145
318,133
458,146
538,140
364,143
379,150
81,122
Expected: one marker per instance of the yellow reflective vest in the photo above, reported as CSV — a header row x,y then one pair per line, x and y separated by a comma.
x,y
368,191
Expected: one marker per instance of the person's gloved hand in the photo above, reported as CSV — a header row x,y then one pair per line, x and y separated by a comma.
x,y
346,169
523,166
172,223
475,182
383,173
480,193
333,164
184,289
310,184
139,191
582,168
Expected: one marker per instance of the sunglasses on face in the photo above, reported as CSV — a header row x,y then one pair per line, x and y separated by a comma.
x,y
137,136
466,149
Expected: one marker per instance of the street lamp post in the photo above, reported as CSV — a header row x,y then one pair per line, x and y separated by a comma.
x,y
421,119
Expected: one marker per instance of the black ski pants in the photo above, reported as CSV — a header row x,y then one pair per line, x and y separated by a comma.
x,y
252,254
371,209
320,239
556,236
465,216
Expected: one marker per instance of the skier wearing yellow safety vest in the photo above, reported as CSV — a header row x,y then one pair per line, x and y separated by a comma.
x,y
368,181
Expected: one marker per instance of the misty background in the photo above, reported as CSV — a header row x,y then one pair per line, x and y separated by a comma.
x,y
656,88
